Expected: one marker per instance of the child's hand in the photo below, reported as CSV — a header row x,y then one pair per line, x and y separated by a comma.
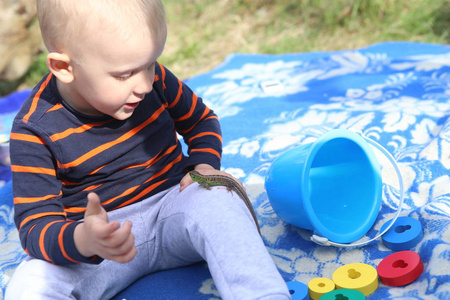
x,y
202,168
205,170
98,236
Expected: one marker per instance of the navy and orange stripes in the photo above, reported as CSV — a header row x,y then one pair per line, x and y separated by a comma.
x,y
23,200
26,138
98,150
59,136
34,102
163,75
59,156
61,243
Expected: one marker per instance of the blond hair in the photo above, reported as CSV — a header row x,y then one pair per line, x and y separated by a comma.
x,y
65,23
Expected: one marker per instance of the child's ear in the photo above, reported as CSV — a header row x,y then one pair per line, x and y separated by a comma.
x,y
61,66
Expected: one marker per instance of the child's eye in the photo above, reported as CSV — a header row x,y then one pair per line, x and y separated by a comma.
x,y
123,77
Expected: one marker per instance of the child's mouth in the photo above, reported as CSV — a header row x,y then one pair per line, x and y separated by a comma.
x,y
131,106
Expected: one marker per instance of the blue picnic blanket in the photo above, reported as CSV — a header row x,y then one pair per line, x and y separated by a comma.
x,y
395,93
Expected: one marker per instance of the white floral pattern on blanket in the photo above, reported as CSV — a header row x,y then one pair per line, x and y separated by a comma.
x,y
397,94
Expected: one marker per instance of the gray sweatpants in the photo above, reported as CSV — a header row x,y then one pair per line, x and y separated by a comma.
x,y
171,229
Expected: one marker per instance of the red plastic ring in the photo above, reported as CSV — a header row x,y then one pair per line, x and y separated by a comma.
x,y
400,268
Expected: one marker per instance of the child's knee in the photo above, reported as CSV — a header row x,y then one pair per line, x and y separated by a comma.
x,y
33,279
219,207
213,210
218,199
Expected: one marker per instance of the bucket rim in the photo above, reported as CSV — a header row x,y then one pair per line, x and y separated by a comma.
x,y
375,172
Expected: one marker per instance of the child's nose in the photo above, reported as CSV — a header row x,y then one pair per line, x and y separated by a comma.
x,y
145,83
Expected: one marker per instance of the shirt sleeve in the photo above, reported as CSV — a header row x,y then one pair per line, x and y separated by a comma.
x,y
194,121
44,230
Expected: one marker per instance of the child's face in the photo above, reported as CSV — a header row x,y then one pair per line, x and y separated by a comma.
x,y
114,75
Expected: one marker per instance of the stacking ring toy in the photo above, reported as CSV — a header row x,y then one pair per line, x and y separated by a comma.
x,y
400,268
298,290
403,235
319,286
343,294
356,276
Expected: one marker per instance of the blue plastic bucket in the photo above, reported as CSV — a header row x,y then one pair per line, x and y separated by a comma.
x,y
332,186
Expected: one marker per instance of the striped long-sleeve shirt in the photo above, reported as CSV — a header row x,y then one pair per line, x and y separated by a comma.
x,y
58,156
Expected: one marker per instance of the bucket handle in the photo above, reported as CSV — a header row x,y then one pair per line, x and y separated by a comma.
x,y
325,242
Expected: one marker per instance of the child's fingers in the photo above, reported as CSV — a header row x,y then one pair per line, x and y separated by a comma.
x,y
125,257
97,219
185,182
94,207
103,231
123,248
118,237
120,246
114,242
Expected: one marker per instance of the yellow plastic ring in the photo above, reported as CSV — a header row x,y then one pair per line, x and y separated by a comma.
x,y
319,286
356,276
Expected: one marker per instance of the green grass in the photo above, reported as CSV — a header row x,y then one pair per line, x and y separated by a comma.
x,y
203,32
37,69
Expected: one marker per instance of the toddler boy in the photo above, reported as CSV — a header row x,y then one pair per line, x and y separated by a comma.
x,y
101,191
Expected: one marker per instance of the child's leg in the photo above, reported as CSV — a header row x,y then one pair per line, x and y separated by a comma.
x,y
217,225
37,279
